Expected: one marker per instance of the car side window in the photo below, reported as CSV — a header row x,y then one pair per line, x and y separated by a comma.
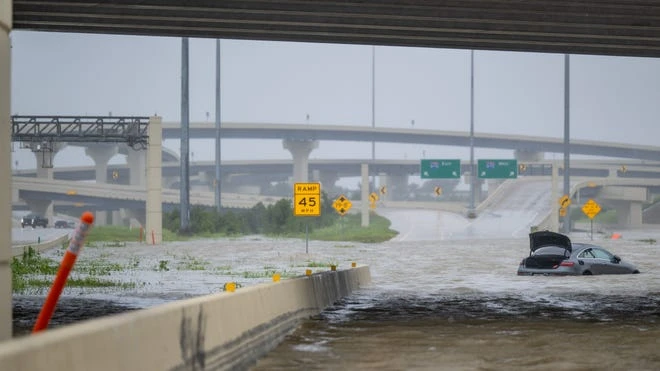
x,y
602,254
587,254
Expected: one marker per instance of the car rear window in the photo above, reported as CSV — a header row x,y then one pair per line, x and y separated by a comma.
x,y
551,250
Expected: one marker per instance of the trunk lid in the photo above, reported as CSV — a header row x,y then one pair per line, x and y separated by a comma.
x,y
547,238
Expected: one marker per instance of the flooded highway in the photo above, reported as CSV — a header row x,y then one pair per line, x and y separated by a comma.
x,y
443,296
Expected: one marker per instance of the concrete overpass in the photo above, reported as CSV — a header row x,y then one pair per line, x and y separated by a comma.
x,y
281,169
523,143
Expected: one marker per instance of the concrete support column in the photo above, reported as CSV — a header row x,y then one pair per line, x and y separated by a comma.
x,y
5,169
154,207
137,167
44,171
300,150
328,180
137,176
101,153
628,213
364,202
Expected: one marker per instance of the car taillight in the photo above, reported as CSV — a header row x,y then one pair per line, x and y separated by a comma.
x,y
566,263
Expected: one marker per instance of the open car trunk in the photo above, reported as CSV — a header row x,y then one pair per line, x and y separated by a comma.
x,y
544,261
547,238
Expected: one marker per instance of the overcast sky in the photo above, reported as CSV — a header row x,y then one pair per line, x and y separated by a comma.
x,y
613,99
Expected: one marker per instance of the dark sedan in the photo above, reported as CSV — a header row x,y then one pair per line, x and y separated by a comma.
x,y
553,254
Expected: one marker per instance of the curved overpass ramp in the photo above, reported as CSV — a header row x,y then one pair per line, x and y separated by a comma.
x,y
121,196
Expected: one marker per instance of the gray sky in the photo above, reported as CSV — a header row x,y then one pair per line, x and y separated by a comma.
x,y
612,98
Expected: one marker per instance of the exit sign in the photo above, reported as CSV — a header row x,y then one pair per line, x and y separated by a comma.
x,y
497,169
434,169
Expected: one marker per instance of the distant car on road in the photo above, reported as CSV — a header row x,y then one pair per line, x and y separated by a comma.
x,y
65,224
34,220
553,254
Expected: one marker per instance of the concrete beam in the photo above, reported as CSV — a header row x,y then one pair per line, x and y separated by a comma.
x,y
625,193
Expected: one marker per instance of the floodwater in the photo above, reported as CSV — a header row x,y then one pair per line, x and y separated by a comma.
x,y
444,296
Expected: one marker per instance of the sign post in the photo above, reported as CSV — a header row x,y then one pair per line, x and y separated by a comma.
x,y
435,169
307,202
591,208
497,169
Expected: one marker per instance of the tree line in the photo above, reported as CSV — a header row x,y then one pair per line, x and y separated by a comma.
x,y
274,219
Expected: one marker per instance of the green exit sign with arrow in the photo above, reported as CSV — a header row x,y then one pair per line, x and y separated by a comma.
x,y
497,169
435,169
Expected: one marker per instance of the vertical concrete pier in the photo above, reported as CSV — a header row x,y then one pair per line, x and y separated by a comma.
x,y
300,150
5,169
364,194
101,153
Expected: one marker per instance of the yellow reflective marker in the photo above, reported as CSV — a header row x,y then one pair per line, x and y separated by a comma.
x,y
230,286
353,264
333,267
308,272
276,277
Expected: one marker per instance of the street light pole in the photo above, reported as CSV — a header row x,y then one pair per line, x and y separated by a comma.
x,y
373,107
567,149
473,175
217,182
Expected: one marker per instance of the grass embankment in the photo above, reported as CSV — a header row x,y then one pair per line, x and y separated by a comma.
x,y
32,273
347,228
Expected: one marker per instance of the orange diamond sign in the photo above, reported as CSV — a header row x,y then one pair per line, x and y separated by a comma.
x,y
342,205
591,208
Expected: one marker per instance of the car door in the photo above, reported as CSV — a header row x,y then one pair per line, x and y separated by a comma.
x,y
606,262
589,262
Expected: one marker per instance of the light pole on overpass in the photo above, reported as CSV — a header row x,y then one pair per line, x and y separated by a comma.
x,y
567,149
217,182
471,212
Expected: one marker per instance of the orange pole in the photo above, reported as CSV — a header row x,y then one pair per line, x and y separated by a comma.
x,y
153,237
69,259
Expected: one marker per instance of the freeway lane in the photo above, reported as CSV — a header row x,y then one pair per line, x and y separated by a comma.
x,y
511,214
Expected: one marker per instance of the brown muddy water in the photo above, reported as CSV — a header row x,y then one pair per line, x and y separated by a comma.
x,y
433,305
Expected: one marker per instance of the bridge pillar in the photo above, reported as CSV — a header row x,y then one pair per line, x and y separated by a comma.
x,y
300,150
44,157
328,180
101,153
628,213
137,167
154,205
6,13
396,186
137,176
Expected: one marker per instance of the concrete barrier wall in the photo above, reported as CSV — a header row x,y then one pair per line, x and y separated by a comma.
x,y
18,250
215,332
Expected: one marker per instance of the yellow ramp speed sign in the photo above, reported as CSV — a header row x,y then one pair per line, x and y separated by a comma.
x,y
307,199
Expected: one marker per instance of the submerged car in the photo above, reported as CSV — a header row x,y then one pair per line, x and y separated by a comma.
x,y
553,254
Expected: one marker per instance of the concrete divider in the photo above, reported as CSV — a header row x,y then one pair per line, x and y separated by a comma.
x,y
18,250
228,330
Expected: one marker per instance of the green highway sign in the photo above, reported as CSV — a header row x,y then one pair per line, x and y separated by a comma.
x,y
497,169
434,169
